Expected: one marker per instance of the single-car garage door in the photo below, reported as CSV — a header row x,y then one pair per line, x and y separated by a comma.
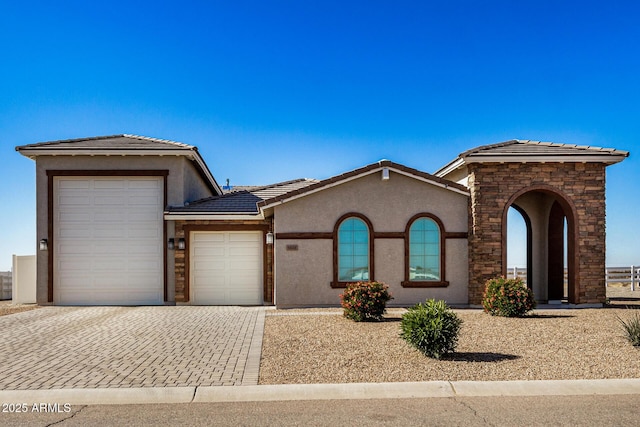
x,y
108,238
226,268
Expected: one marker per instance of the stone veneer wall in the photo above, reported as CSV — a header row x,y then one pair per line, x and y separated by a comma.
x,y
493,184
180,270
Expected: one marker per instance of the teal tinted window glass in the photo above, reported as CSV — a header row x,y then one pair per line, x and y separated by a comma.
x,y
353,250
424,251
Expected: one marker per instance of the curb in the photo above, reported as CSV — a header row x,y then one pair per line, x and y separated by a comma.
x,y
290,392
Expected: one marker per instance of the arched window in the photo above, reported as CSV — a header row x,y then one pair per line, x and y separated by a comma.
x,y
353,250
424,252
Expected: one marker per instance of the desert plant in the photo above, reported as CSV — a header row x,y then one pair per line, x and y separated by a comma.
x,y
431,327
631,329
365,301
507,297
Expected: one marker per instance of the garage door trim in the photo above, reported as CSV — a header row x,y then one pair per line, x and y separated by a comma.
x,y
51,174
188,229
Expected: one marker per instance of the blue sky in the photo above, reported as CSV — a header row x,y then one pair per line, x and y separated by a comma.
x,y
271,91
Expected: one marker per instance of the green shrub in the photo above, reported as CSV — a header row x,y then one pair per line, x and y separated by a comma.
x,y
365,301
632,329
431,327
507,298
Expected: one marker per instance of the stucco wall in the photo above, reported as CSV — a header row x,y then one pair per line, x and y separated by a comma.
x,y
194,186
180,170
303,276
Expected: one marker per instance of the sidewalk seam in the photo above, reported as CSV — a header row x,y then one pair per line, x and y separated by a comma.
x,y
453,388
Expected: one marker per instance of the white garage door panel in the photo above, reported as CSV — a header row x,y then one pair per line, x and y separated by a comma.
x,y
79,297
108,235
226,268
74,201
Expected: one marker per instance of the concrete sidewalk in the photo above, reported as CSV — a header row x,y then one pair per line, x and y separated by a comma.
x,y
292,392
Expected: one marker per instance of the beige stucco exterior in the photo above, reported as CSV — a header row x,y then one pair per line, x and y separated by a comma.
x,y
184,184
303,276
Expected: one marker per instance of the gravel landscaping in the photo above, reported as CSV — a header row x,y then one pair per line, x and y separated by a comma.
x,y
320,346
6,309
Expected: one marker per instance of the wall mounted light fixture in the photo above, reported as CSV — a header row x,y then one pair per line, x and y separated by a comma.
x,y
181,243
43,245
269,238
171,245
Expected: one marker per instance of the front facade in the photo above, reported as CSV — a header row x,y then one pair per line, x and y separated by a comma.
x,y
129,220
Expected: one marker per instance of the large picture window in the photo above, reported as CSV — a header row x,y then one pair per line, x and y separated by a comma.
x,y
424,251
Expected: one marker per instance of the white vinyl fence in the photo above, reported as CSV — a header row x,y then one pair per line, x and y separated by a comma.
x,y
629,275
624,275
24,279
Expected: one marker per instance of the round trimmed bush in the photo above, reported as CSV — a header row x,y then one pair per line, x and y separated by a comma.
x,y
507,297
431,327
365,301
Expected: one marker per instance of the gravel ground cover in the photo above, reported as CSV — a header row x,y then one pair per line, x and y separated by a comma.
x,y
320,346
6,309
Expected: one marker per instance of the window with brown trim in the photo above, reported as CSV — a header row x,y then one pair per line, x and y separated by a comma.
x,y
352,250
424,252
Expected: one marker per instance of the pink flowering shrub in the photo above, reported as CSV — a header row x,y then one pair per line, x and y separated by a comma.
x,y
507,298
365,301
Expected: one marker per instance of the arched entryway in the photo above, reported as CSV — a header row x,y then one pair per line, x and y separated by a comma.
x,y
546,212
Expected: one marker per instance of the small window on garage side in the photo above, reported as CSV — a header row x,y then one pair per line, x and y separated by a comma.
x,y
353,250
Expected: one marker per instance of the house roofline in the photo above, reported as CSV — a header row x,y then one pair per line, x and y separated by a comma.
x,y
190,151
358,173
227,216
39,145
587,154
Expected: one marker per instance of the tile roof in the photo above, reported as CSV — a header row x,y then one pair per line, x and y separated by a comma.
x,y
275,190
234,202
242,199
111,142
518,147
518,150
122,144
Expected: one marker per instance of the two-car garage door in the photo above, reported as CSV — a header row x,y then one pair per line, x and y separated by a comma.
x,y
109,240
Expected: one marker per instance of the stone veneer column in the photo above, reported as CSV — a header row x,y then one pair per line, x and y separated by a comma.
x,y
493,184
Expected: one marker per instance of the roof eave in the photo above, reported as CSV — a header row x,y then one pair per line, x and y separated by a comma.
x,y
449,167
227,216
569,158
204,169
33,152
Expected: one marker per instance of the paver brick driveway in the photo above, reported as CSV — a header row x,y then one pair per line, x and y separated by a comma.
x,y
95,347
